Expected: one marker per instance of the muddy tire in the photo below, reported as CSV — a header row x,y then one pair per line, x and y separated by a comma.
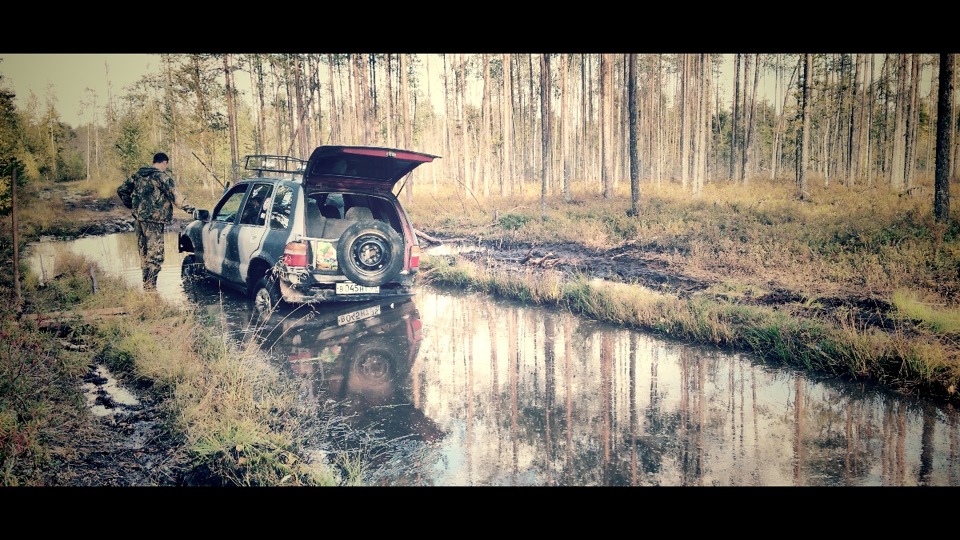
x,y
266,295
370,253
191,269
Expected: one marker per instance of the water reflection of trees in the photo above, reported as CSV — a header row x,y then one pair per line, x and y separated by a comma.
x,y
547,398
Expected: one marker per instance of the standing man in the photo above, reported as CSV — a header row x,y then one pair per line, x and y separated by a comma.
x,y
151,194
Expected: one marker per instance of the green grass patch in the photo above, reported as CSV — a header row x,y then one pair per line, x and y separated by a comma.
x,y
934,317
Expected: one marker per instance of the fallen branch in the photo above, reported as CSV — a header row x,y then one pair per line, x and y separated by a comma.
x,y
57,318
427,237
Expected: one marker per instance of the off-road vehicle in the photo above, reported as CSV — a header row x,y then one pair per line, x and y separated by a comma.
x,y
328,229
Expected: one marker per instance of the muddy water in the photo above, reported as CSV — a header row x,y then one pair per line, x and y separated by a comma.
x,y
463,390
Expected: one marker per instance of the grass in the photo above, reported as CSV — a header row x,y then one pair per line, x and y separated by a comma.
x,y
237,419
850,242
927,315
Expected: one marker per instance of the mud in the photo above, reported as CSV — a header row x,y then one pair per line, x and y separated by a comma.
x,y
647,267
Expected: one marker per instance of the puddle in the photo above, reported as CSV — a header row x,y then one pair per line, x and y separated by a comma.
x,y
105,396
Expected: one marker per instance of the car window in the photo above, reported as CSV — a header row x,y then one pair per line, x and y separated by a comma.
x,y
282,205
255,209
230,204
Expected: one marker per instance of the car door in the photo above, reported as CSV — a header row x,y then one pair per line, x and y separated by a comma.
x,y
252,226
216,233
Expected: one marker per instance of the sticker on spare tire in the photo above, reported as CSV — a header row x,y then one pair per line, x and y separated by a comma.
x,y
349,287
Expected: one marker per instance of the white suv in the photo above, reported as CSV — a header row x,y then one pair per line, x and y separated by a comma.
x,y
323,230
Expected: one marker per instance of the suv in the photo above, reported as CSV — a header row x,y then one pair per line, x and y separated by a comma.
x,y
327,229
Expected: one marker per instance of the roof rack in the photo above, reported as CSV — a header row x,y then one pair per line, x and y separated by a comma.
x,y
262,163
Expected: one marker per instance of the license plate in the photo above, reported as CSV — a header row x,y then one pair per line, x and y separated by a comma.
x,y
349,287
358,315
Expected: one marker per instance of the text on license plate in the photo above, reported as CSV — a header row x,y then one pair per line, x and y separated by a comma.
x,y
352,288
358,315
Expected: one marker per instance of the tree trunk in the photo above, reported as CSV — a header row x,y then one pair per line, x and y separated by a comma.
x,y
871,104
545,140
703,125
734,117
853,124
913,114
634,158
506,176
606,122
778,132
358,107
685,120
883,149
462,112
334,111
389,123
696,121
301,112
231,118
260,142
564,126
405,118
485,138
802,186
405,104
658,91
369,97
897,165
941,197
585,96
448,113
750,112
291,100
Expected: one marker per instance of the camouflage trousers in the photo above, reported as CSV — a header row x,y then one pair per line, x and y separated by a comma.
x,y
150,243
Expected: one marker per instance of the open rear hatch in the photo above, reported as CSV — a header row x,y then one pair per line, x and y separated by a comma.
x,y
366,167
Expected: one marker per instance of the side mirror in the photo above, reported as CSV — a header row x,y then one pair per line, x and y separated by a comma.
x,y
201,215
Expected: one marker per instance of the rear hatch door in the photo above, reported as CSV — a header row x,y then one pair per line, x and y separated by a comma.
x,y
365,168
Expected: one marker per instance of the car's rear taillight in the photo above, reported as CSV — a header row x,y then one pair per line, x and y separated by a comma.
x,y
414,257
295,254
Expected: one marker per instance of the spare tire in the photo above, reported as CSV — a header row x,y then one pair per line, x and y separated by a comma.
x,y
370,253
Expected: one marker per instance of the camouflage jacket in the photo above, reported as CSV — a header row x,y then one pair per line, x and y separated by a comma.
x,y
152,194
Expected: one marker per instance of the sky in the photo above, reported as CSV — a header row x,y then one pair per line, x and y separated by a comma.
x,y
70,75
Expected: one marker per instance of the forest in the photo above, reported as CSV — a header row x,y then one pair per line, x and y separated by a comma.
x,y
514,123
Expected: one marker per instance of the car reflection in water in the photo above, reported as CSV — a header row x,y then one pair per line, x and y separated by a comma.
x,y
358,359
